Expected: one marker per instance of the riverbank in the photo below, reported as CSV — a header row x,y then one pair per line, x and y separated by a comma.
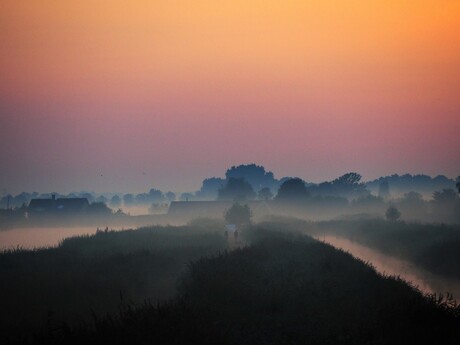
x,y
280,287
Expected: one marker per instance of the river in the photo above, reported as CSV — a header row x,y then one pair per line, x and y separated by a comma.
x,y
426,281
29,238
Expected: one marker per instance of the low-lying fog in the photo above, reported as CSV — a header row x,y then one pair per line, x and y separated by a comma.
x,y
426,281
29,238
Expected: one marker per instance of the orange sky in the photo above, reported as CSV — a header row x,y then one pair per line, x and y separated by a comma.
x,y
309,88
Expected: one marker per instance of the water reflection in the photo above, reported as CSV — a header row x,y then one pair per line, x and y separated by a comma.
x,y
424,280
29,238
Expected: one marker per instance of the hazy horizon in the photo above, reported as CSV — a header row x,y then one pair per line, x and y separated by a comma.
x,y
194,187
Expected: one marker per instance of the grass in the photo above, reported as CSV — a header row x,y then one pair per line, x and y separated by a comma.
x,y
94,274
282,287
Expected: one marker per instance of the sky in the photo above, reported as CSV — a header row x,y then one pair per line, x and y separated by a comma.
x,y
129,95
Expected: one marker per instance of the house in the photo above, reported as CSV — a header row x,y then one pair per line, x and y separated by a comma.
x,y
67,206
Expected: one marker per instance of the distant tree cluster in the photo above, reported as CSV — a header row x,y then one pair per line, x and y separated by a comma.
x,y
406,183
237,189
238,214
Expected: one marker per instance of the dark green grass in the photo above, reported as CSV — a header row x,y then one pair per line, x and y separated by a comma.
x,y
282,289
95,274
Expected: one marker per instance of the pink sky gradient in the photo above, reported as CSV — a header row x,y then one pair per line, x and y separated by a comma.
x,y
165,93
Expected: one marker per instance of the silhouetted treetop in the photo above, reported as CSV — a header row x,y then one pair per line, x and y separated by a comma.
x,y
348,186
405,183
210,188
236,189
292,190
254,174
392,214
349,179
446,195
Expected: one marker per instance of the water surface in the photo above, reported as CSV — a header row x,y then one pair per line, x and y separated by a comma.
x,y
29,238
426,281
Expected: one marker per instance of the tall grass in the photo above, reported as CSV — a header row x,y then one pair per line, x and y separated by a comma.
x,y
89,274
281,289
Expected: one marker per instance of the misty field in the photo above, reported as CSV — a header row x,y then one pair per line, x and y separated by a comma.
x,y
434,247
95,274
181,285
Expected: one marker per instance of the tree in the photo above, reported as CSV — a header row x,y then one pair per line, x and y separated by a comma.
x,y
115,201
187,197
384,189
156,195
392,214
128,200
349,179
238,214
292,190
256,175
445,196
101,198
237,189
210,188
458,184
265,194
170,196
413,196
349,185
99,208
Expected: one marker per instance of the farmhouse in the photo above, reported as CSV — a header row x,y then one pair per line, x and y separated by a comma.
x,y
68,206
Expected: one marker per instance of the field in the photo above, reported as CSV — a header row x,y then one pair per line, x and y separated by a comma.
x,y
280,287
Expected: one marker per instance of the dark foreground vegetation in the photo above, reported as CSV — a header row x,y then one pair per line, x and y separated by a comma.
x,y
95,274
435,247
282,288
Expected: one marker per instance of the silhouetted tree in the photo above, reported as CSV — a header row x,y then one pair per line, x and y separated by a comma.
x,y
170,196
413,197
236,189
446,205
265,194
407,182
142,199
256,175
101,198
128,200
115,201
384,190
458,184
445,196
99,208
392,214
187,197
292,190
348,186
238,214
156,195
210,187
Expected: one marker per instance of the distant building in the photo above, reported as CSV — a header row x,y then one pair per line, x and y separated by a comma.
x,y
67,206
